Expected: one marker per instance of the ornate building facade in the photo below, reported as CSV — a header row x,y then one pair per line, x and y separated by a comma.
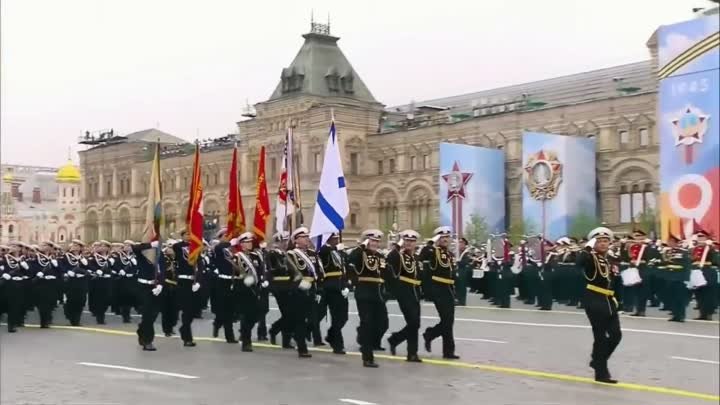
x,y
390,154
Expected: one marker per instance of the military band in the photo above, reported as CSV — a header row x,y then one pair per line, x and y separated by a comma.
x,y
237,276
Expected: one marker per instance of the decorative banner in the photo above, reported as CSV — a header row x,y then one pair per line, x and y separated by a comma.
x,y
689,105
472,189
558,184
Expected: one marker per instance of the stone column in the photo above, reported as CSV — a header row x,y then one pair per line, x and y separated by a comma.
x,y
101,185
133,181
114,183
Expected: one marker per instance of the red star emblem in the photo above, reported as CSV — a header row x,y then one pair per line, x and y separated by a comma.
x,y
456,181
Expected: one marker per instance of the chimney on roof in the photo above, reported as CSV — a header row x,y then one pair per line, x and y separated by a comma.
x,y
36,196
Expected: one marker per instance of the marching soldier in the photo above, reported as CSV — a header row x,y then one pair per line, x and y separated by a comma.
x,y
706,258
169,306
188,298
464,272
223,295
74,266
126,267
600,305
676,266
335,291
44,273
150,287
248,290
264,305
101,284
15,274
282,285
442,266
545,294
368,267
406,270
5,278
307,269
638,253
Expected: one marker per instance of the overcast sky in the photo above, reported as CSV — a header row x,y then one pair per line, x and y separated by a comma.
x,y
188,67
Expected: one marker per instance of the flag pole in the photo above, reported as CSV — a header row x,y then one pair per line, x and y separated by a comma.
x,y
158,251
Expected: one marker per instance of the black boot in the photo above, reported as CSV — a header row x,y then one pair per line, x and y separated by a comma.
x,y
149,348
413,358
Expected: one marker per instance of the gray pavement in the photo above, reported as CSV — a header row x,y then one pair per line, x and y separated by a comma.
x,y
518,356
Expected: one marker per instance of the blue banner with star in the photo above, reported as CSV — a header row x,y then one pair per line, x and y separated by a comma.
x,y
558,185
689,105
472,190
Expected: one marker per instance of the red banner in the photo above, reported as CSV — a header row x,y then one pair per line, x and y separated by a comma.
x,y
262,202
195,212
236,213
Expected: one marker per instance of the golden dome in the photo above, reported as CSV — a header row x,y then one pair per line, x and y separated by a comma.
x,y
68,173
7,178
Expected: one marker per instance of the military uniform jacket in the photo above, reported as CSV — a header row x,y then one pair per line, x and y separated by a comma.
x,y
146,270
14,266
334,267
307,263
252,264
45,265
279,275
407,272
599,276
224,261
98,262
368,268
185,271
442,266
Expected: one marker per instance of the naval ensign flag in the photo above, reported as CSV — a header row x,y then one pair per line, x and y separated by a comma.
x,y
331,206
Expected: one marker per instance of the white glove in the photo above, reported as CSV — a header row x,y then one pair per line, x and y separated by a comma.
x,y
233,242
133,261
112,261
708,242
263,245
265,284
340,246
318,299
2,268
195,287
249,280
155,244
40,274
216,271
54,262
345,292
71,273
121,272
305,285
83,261
207,260
6,276
24,265
157,290
591,243
99,272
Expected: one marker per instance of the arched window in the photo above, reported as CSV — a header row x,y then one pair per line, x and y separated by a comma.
x,y
72,192
11,229
64,191
62,238
353,220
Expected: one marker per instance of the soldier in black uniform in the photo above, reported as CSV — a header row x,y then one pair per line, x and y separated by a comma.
x,y
248,288
5,278
264,304
282,285
101,284
223,295
368,267
150,286
442,265
74,267
599,301
15,275
169,309
305,265
188,298
125,266
44,273
406,270
335,292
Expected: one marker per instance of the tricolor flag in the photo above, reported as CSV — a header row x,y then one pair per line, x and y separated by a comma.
x,y
236,213
331,206
195,212
262,202
154,220
285,204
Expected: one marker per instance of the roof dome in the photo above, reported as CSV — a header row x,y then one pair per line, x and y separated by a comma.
x,y
68,173
7,178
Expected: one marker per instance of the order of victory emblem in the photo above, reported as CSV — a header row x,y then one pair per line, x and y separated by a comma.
x,y
543,175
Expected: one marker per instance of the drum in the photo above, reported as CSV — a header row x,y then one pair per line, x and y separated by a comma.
x,y
478,273
630,277
697,279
